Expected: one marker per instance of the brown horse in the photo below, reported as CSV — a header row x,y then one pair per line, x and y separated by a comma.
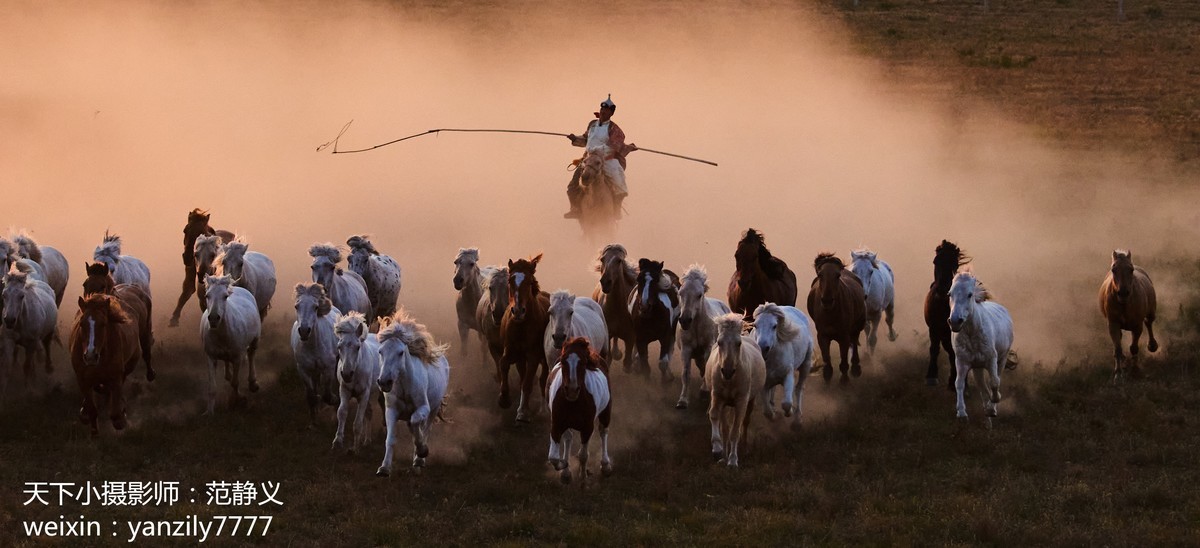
x,y
104,350
654,306
838,307
578,396
522,330
1127,301
197,224
134,302
617,281
946,261
760,277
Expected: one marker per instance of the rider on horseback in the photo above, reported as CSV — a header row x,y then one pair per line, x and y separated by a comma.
x,y
605,138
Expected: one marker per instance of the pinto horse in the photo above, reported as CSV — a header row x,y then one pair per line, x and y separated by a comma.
x,y
521,331
617,281
134,302
654,306
1127,301
760,277
579,396
946,261
197,225
104,350
838,307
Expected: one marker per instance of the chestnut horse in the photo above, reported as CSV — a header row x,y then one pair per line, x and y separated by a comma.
x,y
617,281
104,350
760,277
521,330
946,262
134,302
838,307
578,396
197,224
654,306
1127,301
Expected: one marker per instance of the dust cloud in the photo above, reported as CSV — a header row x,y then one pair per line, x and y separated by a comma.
x,y
123,116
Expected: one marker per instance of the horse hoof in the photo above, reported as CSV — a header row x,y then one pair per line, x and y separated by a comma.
x,y
718,455
522,420
681,404
383,472
565,477
422,452
504,402
557,464
151,375
254,386
892,337
827,373
856,370
787,411
337,445
1153,346
606,470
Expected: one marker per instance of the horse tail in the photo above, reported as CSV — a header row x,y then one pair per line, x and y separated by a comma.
x,y
1011,361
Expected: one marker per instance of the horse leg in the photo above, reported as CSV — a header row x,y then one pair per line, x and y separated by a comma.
x,y
931,374
686,354
948,345
889,316
502,369
343,412
855,363
1132,365
88,412
664,359
419,430
606,467
737,428
463,330
994,383
844,364
189,287
385,468
253,381
564,473
363,427
616,351
873,329
767,395
528,371
585,436
714,417
212,386
960,387
146,339
701,361
630,343
1114,332
310,397
116,403
643,357
30,351
823,341
555,457
985,395
789,392
1153,345
46,348
235,397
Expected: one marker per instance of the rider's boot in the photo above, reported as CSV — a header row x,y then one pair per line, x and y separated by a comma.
x,y
574,213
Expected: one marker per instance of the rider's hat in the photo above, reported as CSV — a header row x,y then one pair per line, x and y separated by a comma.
x,y
608,103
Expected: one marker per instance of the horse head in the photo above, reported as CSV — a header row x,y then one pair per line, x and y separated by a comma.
x,y
205,250
99,280
729,342
613,268
746,256
691,295
577,358
466,267
96,313
649,278
592,167
1122,274
863,263
197,225
523,287
351,333
769,325
497,288
219,290
965,292
324,266
14,297
829,275
946,261
311,303
562,309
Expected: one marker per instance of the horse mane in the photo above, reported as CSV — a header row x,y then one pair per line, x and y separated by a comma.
x,y
415,336
827,257
232,250
111,305
618,249
361,242
500,276
349,323
472,252
559,297
26,247
981,293
196,215
768,263
218,281
18,276
948,249
110,247
327,250
581,345
696,274
785,329
865,253
8,250
316,291
730,322
27,269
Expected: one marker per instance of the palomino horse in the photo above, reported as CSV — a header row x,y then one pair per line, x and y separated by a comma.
x,y
197,225
469,281
838,308
698,330
381,273
597,201
134,302
30,315
946,261
104,350
736,372
879,287
229,332
617,282
783,334
654,306
578,396
413,377
314,346
54,266
760,277
251,270
983,338
125,269
346,289
521,330
204,259
358,369
490,313
1127,301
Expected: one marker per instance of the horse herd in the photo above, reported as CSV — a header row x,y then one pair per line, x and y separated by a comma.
x,y
351,343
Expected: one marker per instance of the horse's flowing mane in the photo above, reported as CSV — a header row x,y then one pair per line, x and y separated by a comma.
x,y
316,291
730,322
784,330
771,265
560,298
865,253
232,250
349,323
205,241
327,250
465,252
361,242
617,251
826,257
696,274
948,250
27,269
18,276
110,247
981,293
218,281
26,247
415,336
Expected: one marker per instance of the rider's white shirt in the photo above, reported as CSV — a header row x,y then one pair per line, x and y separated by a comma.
x,y
598,137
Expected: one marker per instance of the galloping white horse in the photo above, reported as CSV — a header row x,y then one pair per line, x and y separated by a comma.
x,y
54,266
468,281
414,376
346,289
380,273
358,368
736,373
125,269
314,346
784,335
229,331
880,289
572,316
30,315
698,330
251,270
983,337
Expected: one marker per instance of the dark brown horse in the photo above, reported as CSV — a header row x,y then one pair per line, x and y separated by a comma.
x,y
579,397
1128,301
522,330
838,307
197,224
946,261
104,350
135,303
617,281
654,306
760,277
